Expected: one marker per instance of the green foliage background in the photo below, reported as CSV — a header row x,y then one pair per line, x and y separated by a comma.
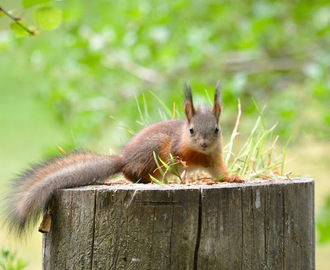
x,y
104,52
74,81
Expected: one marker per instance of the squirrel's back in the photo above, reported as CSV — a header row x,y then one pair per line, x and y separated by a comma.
x,y
157,138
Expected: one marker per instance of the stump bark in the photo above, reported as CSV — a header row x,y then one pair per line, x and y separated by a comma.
x,y
268,225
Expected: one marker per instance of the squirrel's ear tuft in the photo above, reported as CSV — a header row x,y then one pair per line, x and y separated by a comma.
x,y
217,92
189,109
216,105
187,92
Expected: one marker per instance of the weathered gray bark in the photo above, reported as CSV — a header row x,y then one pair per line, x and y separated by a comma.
x,y
267,225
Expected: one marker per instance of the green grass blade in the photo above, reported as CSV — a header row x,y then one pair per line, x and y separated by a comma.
x,y
167,167
145,107
160,168
155,180
165,107
209,100
260,112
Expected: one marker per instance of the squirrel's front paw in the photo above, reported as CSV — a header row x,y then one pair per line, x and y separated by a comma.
x,y
231,179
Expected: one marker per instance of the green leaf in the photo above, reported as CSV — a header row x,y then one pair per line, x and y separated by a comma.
x,y
47,18
30,3
18,31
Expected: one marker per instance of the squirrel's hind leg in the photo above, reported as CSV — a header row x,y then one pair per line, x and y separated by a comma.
x,y
137,179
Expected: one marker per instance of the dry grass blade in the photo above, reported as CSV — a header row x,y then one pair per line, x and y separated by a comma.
x,y
234,134
255,159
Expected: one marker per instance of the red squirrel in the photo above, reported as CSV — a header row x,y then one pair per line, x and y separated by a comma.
x,y
197,142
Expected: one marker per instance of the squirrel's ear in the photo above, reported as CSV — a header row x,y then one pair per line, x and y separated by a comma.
x,y
216,105
189,109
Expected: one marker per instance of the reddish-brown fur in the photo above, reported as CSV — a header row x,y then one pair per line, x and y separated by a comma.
x,y
194,158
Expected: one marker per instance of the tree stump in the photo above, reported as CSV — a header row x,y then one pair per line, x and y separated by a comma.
x,y
268,225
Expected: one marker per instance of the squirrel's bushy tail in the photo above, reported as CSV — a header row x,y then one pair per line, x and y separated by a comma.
x,y
34,187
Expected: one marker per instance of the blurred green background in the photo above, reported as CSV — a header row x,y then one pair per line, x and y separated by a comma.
x,y
77,85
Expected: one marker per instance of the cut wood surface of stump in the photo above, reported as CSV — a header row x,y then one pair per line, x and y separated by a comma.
x,y
267,225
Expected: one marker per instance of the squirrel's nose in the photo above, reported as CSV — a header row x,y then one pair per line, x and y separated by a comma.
x,y
204,144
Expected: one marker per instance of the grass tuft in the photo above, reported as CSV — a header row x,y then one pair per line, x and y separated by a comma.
x,y
170,166
256,158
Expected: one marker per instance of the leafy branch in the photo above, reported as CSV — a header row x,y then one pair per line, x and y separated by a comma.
x,y
18,21
45,16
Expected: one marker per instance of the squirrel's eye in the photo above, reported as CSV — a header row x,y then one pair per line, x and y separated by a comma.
x,y
216,130
191,130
